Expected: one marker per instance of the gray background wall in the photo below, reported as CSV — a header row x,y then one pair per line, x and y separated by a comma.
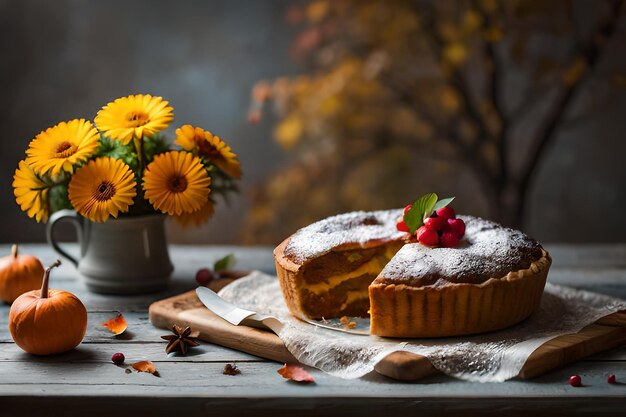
x,y
64,59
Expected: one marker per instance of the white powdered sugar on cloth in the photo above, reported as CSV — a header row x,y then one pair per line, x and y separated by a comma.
x,y
491,357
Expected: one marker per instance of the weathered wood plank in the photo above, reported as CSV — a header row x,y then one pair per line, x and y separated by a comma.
x,y
139,328
134,352
259,379
206,352
617,354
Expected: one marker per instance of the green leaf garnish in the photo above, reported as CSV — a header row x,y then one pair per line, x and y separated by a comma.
x,y
227,262
442,203
414,217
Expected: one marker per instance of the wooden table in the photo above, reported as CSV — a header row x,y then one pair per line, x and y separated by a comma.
x,y
84,382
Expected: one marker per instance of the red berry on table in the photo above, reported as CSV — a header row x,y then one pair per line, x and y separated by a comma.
x,y
401,226
118,358
457,226
435,223
204,276
446,212
407,208
611,379
575,381
427,236
449,240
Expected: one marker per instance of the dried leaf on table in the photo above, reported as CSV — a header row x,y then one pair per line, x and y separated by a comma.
x,y
231,369
116,325
295,373
145,366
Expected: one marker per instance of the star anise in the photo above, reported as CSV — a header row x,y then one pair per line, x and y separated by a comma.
x,y
181,340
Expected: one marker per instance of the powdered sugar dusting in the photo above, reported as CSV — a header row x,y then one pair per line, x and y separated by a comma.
x,y
488,250
358,227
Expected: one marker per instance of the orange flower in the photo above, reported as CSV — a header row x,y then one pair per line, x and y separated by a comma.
x,y
176,182
210,147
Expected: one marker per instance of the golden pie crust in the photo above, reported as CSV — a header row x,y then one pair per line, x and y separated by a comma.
x,y
456,309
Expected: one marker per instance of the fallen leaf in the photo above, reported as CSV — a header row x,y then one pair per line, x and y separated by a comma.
x,y
231,369
116,325
295,373
145,366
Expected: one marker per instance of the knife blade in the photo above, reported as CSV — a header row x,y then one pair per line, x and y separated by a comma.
x,y
236,315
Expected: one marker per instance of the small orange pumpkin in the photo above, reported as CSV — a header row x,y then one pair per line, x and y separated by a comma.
x,y
48,321
18,274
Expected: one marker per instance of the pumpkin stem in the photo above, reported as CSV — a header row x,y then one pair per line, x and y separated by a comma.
x,y
46,277
14,251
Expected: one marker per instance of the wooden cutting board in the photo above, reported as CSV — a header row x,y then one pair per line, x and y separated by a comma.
x,y
187,310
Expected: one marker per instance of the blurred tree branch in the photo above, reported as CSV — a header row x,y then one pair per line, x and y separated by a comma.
x,y
398,79
591,53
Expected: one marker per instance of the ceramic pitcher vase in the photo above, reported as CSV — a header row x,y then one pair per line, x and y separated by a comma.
x,y
120,256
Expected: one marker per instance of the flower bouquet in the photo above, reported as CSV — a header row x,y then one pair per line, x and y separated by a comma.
x,y
123,165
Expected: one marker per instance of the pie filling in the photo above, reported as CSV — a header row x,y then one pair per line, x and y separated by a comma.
x,y
325,295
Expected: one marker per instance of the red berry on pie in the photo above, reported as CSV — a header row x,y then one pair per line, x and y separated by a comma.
x,y
575,381
407,208
435,223
447,212
401,226
457,226
449,240
427,236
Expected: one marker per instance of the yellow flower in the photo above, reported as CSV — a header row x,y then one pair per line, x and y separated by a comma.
x,y
31,193
102,188
198,217
176,182
134,117
210,147
61,147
